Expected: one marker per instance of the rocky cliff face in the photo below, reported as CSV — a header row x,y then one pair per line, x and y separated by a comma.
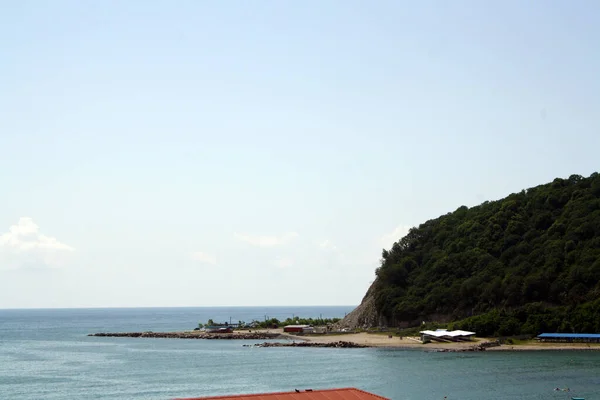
x,y
365,315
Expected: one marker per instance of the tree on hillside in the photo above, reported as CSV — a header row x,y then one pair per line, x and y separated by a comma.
x,y
528,262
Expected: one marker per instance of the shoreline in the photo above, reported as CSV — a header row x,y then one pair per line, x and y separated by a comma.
x,y
412,343
546,347
357,340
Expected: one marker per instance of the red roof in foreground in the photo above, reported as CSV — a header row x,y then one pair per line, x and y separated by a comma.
x,y
326,394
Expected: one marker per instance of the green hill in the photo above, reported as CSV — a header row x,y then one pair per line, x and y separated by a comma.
x,y
524,264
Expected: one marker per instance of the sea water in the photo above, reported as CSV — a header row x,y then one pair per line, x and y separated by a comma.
x,y
46,354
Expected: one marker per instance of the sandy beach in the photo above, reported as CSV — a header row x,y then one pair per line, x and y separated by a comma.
x,y
379,340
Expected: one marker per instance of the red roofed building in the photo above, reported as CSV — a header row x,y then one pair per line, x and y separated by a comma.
x,y
326,394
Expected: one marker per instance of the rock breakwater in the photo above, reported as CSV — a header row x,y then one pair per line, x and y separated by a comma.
x,y
340,344
192,335
478,347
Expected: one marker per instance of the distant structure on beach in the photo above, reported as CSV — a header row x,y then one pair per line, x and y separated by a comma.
x,y
444,335
298,329
308,394
218,329
569,337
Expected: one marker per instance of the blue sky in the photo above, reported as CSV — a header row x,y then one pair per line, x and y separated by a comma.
x,y
194,153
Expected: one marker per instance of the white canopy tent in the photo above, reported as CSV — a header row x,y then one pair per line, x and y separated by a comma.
x,y
444,334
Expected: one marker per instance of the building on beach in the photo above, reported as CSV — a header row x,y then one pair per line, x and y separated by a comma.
x,y
444,335
218,329
569,337
308,394
321,329
298,329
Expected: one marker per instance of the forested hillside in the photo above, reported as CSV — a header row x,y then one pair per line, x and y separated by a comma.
x,y
524,264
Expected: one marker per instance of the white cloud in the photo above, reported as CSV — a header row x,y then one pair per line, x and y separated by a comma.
x,y
387,240
283,262
23,244
326,244
267,241
204,258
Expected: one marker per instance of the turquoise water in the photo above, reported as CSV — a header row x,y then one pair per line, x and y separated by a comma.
x,y
45,354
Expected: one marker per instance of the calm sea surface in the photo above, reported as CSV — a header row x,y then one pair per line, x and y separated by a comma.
x,y
45,354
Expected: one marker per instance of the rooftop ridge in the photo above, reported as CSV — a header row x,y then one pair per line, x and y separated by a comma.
x,y
302,392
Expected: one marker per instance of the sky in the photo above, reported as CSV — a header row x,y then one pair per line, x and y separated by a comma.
x,y
195,153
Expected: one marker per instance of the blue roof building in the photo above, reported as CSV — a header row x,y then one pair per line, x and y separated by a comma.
x,y
570,337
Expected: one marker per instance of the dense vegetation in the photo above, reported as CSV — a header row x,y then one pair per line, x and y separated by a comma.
x,y
297,321
524,264
274,322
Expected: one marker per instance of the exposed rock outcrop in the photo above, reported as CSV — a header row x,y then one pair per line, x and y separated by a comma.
x,y
478,347
364,316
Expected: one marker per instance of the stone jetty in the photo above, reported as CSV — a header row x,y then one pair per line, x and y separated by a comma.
x,y
340,344
192,335
478,347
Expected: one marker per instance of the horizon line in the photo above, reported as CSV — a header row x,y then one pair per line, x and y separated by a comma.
x,y
170,307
